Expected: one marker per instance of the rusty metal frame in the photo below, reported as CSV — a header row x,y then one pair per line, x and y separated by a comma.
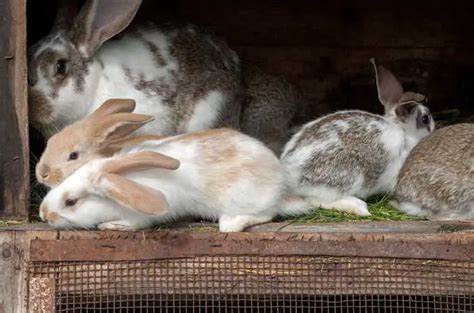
x,y
167,245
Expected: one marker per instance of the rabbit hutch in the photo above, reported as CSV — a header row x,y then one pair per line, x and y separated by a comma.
x,y
321,47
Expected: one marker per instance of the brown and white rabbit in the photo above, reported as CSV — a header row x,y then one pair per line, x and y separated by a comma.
x,y
339,159
186,78
100,134
219,174
437,179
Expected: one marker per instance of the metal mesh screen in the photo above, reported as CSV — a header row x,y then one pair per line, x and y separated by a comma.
x,y
259,284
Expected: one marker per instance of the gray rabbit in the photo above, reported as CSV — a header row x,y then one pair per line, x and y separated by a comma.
x,y
437,179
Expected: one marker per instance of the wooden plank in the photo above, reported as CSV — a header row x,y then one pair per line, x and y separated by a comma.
x,y
411,227
167,245
14,157
14,255
362,227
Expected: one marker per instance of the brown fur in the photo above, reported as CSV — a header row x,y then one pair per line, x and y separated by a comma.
x,y
140,161
38,107
133,195
438,175
205,67
99,135
270,107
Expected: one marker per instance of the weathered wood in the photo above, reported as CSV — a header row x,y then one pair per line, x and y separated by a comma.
x,y
363,227
188,245
14,183
14,255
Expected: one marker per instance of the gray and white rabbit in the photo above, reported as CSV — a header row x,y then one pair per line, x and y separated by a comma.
x,y
437,179
339,159
187,79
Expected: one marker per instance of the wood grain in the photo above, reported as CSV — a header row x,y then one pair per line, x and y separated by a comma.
x,y
14,182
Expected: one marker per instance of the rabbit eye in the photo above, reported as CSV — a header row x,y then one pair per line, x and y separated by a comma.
x,y
70,202
425,119
61,67
74,155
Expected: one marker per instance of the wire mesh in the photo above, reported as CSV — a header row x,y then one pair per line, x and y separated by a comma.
x,y
242,283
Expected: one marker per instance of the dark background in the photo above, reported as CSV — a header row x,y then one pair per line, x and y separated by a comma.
x,y
323,47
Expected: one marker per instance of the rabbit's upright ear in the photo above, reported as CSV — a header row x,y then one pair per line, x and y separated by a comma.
x,y
140,161
388,87
113,106
116,127
98,21
131,194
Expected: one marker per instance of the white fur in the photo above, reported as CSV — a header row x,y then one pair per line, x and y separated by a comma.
x,y
109,77
255,197
409,208
206,112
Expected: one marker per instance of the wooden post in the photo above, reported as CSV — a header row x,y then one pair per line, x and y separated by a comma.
x,y
14,182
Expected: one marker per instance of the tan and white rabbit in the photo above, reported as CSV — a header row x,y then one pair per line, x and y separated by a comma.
x,y
218,174
339,159
437,179
185,77
101,134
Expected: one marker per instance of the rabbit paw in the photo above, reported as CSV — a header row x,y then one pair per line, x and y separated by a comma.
x,y
240,222
347,204
117,225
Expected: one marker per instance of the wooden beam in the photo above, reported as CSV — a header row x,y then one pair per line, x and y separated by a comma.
x,y
14,156
14,257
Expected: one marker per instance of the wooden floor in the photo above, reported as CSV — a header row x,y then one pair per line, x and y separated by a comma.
x,y
20,245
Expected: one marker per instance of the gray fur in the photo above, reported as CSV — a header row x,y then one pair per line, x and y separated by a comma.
x,y
271,104
438,175
352,149
206,63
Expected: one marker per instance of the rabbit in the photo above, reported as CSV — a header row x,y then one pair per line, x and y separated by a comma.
x,y
339,159
106,131
183,76
437,179
270,106
219,173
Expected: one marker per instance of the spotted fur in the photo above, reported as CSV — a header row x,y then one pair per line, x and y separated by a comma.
x,y
346,156
437,179
169,70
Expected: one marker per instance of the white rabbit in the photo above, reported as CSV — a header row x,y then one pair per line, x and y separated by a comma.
x,y
339,159
221,174
185,78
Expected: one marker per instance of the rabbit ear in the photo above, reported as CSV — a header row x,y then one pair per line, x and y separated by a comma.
x,y
388,87
98,21
404,110
113,106
140,161
410,96
110,129
131,194
65,13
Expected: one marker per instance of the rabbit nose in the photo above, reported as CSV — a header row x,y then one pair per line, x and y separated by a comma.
x,y
42,173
